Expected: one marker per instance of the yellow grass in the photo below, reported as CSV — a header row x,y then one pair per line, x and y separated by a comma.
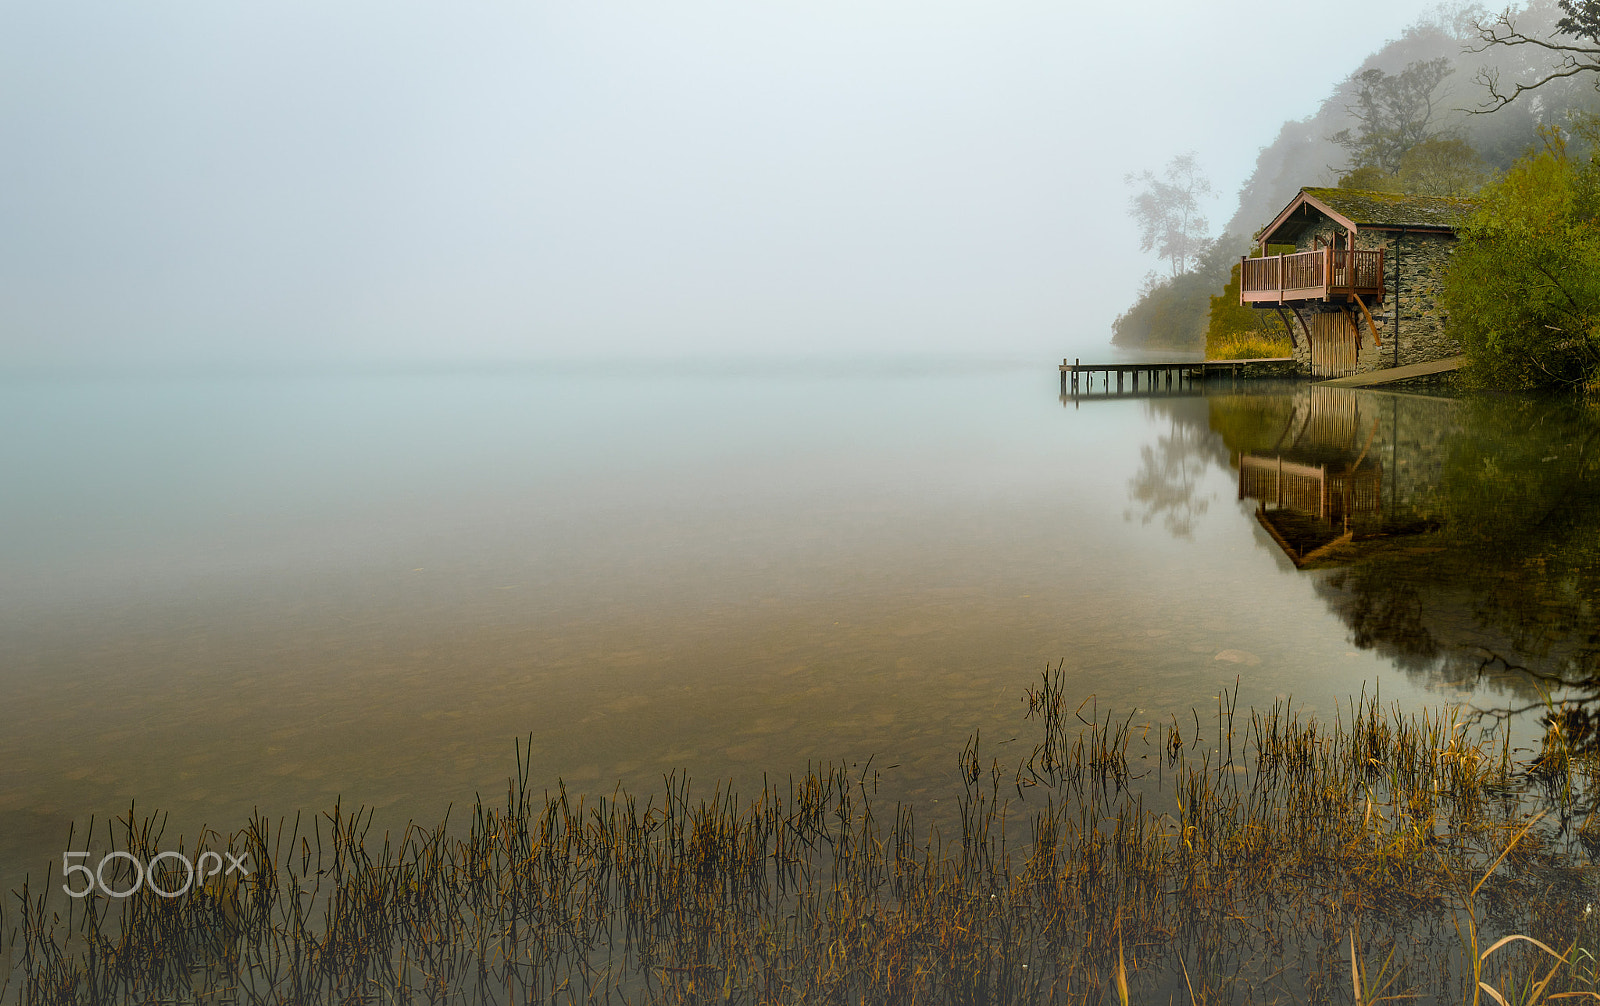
x,y
1247,345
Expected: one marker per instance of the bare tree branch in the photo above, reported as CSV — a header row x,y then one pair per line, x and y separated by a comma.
x,y
1582,21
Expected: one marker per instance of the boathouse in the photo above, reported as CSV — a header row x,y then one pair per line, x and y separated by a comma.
x,y
1358,277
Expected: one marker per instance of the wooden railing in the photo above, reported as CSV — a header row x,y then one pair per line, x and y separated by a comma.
x,y
1313,275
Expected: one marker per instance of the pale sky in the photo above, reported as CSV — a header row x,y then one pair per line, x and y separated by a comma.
x,y
409,181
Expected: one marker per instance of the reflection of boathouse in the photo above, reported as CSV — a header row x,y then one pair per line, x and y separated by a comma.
x,y
1361,273
1459,538
1332,495
1321,484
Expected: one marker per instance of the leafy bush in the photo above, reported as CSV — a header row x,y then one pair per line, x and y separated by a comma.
x,y
1523,287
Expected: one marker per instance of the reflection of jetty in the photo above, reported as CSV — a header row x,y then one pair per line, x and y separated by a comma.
x,y
1159,379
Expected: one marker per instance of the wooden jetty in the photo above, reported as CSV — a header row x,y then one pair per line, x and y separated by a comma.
x,y
1160,379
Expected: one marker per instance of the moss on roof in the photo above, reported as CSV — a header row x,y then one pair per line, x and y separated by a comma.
x,y
1394,209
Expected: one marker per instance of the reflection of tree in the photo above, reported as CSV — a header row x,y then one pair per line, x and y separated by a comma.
x,y
1521,493
1483,566
1387,615
1508,584
1169,477
1201,432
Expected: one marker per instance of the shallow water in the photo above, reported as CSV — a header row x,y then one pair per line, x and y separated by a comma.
x,y
225,593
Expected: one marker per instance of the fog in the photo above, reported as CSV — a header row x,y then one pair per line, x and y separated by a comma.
x,y
488,182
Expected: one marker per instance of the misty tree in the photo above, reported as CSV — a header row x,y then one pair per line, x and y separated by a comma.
x,y
1168,212
1581,25
1436,167
1441,167
1394,112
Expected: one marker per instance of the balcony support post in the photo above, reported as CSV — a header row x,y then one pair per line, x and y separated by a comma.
x,y
1289,327
1303,327
1371,325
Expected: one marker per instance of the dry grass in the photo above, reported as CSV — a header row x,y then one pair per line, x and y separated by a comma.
x,y
1248,344
1237,869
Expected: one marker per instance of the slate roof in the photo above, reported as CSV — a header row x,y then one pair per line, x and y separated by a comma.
x,y
1368,210
1393,209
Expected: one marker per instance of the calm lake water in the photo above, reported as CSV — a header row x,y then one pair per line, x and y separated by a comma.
x,y
226,593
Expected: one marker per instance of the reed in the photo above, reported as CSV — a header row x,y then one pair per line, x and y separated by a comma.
x,y
1240,868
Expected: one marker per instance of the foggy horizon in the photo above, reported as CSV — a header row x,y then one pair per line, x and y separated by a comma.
x,y
495,184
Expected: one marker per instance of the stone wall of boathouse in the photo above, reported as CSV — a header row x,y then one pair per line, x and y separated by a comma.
x,y
1423,326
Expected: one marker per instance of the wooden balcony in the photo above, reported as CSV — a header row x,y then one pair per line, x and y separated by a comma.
x,y
1313,275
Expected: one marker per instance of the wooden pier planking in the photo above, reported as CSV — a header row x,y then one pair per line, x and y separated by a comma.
x,y
1078,377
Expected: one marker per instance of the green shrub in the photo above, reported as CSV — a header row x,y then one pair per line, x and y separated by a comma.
x,y
1523,288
